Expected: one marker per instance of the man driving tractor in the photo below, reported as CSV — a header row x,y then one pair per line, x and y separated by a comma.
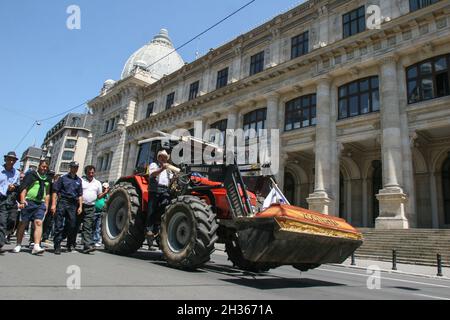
x,y
161,173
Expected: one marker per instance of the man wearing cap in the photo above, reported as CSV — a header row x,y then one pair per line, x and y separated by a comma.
x,y
69,190
92,191
9,184
158,196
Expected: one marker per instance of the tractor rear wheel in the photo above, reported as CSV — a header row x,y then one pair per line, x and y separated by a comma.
x,y
188,232
123,222
236,257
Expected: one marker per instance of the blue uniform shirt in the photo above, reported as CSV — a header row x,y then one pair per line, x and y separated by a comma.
x,y
68,187
7,178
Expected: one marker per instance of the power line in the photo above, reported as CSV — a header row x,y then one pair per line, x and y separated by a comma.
x,y
63,113
17,113
26,134
38,122
202,33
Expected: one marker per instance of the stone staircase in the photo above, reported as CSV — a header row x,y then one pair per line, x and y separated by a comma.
x,y
414,246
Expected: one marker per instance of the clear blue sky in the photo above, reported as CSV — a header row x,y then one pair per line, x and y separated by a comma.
x,y
46,68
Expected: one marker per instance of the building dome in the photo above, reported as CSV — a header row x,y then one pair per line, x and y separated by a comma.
x,y
148,55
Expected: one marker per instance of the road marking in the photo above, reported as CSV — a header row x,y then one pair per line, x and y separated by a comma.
x,y
432,297
386,278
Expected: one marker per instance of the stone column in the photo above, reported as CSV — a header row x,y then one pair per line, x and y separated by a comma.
x,y
408,145
232,119
236,65
275,48
117,163
392,198
320,200
273,136
132,158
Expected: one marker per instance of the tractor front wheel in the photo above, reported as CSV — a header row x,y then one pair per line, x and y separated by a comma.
x,y
123,223
188,232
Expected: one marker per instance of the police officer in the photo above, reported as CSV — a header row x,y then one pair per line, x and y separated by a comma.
x,y
158,196
9,184
69,190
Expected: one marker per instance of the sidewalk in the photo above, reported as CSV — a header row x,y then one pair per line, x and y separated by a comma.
x,y
411,269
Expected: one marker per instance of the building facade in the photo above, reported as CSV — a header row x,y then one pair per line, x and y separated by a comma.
x,y
363,113
68,141
30,159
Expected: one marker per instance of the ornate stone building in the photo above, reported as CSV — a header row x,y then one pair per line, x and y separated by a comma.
x,y
364,113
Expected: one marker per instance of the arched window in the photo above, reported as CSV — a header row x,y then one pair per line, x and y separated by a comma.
x,y
253,122
428,79
289,187
359,97
446,189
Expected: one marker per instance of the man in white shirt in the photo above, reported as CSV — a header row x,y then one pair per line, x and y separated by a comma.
x,y
92,190
158,195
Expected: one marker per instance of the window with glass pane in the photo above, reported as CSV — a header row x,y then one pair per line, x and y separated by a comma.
x,y
359,97
254,120
300,45
222,78
150,108
257,63
70,144
428,79
221,126
300,113
170,100
193,90
419,4
67,155
354,22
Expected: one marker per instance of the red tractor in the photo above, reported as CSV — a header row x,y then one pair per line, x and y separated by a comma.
x,y
220,203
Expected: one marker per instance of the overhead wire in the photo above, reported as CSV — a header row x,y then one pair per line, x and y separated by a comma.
x,y
38,122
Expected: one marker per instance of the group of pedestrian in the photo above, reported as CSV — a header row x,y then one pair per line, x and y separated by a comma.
x,y
59,204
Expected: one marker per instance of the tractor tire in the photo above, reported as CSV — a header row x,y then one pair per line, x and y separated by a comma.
x,y
306,266
236,257
123,221
188,232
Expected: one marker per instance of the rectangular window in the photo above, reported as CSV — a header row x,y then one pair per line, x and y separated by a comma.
x,y
253,122
170,100
106,126
257,63
112,124
428,79
415,5
300,113
222,78
64,167
359,97
150,108
221,126
67,155
73,133
70,144
354,22
300,45
193,90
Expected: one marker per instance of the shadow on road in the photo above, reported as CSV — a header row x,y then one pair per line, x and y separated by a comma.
x,y
265,280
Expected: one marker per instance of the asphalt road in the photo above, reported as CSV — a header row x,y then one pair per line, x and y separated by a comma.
x,y
145,275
